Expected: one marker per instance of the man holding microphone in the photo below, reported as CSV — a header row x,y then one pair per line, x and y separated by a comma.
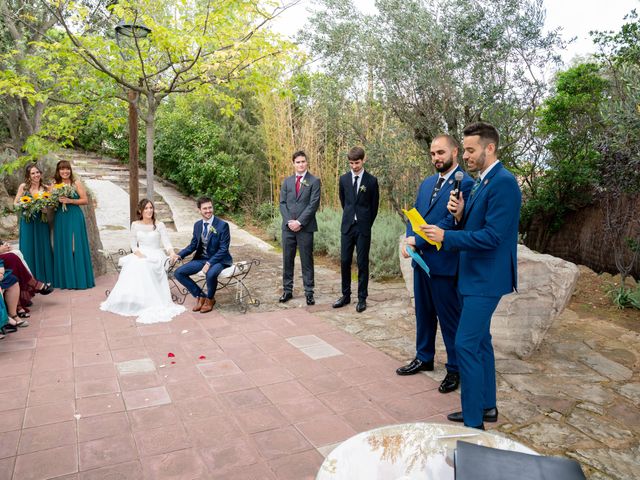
x,y
486,236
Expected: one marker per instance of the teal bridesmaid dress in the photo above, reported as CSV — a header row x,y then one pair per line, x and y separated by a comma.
x,y
35,245
71,256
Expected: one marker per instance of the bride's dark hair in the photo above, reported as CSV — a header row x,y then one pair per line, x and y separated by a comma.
x,y
142,204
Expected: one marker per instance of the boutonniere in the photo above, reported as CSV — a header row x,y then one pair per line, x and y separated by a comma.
x,y
213,230
304,182
363,188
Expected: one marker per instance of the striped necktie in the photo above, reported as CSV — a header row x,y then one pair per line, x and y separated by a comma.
x,y
476,186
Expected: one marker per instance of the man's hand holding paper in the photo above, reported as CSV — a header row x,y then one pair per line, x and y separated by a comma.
x,y
416,224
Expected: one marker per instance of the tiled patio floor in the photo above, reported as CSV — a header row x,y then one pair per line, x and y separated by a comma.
x,y
89,395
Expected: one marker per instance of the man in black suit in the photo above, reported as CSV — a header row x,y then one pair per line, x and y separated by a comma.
x,y
359,196
299,202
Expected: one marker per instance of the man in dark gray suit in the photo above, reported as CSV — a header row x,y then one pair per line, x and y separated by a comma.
x,y
299,201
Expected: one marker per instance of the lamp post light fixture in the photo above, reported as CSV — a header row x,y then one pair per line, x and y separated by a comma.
x,y
132,30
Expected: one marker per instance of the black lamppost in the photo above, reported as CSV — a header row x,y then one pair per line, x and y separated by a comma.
x,y
132,30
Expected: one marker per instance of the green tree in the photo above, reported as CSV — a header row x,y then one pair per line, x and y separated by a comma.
x,y
194,46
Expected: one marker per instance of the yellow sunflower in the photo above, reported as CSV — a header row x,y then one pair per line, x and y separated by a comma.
x,y
36,196
46,195
25,199
58,186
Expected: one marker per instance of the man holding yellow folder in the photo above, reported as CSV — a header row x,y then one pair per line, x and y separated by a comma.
x,y
436,295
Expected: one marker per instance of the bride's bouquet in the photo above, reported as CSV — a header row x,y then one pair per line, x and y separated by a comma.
x,y
61,190
32,205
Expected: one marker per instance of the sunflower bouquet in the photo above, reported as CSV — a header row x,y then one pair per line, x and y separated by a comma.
x,y
33,204
61,190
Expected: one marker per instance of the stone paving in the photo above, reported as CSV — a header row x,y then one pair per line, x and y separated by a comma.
x,y
75,404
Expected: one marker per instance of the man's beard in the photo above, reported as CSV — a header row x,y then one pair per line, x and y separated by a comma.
x,y
445,165
480,162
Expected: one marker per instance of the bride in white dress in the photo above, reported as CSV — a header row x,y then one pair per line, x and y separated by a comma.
x,y
142,289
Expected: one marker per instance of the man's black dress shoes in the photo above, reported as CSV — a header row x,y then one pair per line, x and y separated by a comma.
x,y
415,366
362,306
286,296
310,300
342,301
450,382
489,415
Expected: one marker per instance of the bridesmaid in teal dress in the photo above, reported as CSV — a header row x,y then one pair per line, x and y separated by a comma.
x,y
71,255
35,239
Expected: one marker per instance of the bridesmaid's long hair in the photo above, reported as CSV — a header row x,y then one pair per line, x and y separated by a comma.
x,y
59,166
27,176
142,204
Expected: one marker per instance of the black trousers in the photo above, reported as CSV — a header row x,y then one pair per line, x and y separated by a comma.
x,y
303,242
349,241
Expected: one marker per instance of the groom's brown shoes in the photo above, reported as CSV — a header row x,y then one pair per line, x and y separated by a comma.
x,y
199,303
208,305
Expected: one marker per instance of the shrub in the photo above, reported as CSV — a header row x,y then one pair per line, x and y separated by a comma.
x,y
625,297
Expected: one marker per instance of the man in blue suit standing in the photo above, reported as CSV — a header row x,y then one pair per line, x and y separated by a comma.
x,y
210,242
487,239
436,295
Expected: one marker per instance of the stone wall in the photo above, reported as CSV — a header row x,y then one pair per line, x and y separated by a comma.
x,y
580,240
545,286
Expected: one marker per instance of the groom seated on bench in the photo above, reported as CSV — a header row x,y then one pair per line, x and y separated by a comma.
x,y
210,243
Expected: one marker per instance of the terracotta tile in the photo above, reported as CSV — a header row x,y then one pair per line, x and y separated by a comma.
x,y
46,463
54,331
280,442
247,350
100,404
52,364
380,391
17,383
147,397
17,368
9,443
230,383
323,383
179,465
285,391
6,467
219,369
123,471
255,362
257,471
11,420
409,409
302,409
107,451
93,372
153,417
186,390
199,408
13,400
344,400
325,430
99,386
300,466
140,381
54,394
100,426
340,362
83,359
224,426
47,436
267,376
47,414
367,418
259,419
156,329
262,335
48,379
116,343
175,373
359,375
94,346
252,397
131,353
227,456
300,365
162,440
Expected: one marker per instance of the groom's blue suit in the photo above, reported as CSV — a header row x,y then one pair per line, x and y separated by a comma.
x,y
212,249
488,269
436,296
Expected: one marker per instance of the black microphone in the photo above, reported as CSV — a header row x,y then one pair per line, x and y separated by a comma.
x,y
457,184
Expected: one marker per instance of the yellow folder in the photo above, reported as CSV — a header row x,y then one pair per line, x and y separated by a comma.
x,y
416,220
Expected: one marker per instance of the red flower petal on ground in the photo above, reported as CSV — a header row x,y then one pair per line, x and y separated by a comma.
x,y
201,357
173,363
170,355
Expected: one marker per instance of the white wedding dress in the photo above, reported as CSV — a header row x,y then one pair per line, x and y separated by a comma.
x,y
142,289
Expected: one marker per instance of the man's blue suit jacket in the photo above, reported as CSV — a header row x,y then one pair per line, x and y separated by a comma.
x,y
488,238
436,213
217,248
